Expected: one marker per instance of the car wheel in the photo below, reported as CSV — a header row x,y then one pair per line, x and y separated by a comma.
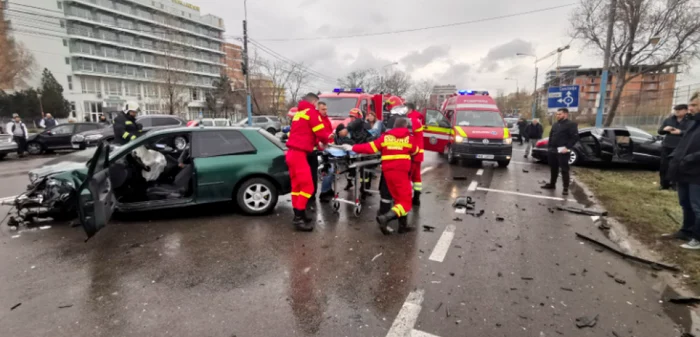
x,y
271,131
450,155
574,158
257,196
503,163
34,148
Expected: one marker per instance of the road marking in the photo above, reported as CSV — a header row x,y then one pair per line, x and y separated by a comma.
x,y
427,169
522,194
408,315
472,186
8,199
479,172
521,162
443,244
418,333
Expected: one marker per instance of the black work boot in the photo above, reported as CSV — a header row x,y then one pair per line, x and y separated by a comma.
x,y
301,222
349,186
416,198
327,196
403,225
383,221
548,187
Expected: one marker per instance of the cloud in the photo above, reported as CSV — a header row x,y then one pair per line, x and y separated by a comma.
x,y
508,50
457,74
419,59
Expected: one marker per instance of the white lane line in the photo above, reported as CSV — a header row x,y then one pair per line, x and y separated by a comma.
x,y
523,194
427,169
418,333
408,315
521,162
443,244
472,186
480,172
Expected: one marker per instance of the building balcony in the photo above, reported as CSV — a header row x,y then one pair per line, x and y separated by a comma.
x,y
206,20
101,5
98,72
87,19
101,55
91,36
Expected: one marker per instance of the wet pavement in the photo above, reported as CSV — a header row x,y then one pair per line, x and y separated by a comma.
x,y
518,270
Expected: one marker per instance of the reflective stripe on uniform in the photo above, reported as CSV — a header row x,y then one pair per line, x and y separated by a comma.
x,y
317,127
397,144
374,147
419,129
125,135
396,156
301,114
421,151
133,137
417,151
301,194
128,123
399,210
460,131
417,186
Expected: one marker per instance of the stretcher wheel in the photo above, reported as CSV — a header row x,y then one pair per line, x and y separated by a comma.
x,y
358,210
336,205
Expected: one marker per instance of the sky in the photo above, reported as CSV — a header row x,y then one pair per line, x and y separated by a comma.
x,y
478,55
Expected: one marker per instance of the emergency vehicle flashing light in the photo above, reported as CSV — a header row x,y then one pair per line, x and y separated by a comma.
x,y
342,90
472,93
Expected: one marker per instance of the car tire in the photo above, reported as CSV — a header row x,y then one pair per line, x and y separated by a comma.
x,y
271,131
450,156
575,158
34,148
257,196
503,163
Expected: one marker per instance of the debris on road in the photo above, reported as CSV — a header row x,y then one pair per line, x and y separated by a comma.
x,y
459,177
478,215
620,281
628,256
586,322
447,311
525,171
668,213
685,300
65,306
527,278
376,256
583,211
427,228
566,289
438,307
15,306
500,274
500,218
610,275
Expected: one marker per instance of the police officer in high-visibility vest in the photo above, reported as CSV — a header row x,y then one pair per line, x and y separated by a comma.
x,y
125,127
417,129
397,148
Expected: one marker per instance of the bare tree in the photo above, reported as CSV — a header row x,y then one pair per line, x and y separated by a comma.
x,y
649,36
365,79
17,63
271,78
420,92
298,79
395,82
172,80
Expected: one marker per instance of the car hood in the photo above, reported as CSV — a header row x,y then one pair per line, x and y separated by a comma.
x,y
61,167
481,132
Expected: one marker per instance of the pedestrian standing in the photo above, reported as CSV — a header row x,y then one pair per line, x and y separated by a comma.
x,y
684,169
522,125
562,138
533,133
417,160
47,122
307,131
103,120
19,133
671,129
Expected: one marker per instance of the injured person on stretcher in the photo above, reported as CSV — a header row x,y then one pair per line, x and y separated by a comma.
x,y
160,169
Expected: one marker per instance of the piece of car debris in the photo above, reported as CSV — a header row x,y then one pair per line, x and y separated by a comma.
x,y
447,311
500,218
527,278
457,219
438,307
65,306
525,171
427,228
15,306
685,300
582,211
459,177
566,289
481,212
628,256
620,281
586,322
609,274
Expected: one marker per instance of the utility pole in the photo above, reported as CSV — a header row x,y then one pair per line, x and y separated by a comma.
x,y
606,65
246,68
535,103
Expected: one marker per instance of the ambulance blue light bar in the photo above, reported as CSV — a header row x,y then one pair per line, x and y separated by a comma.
x,y
356,90
472,93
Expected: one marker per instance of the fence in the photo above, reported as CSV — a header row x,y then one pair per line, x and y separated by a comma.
x,y
646,109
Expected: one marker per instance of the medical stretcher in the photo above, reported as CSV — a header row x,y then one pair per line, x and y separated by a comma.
x,y
344,163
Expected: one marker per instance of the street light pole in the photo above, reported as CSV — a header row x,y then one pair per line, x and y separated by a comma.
x,y
249,105
517,86
606,66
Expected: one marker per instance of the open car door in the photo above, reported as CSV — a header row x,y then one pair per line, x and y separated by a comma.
x,y
437,131
96,200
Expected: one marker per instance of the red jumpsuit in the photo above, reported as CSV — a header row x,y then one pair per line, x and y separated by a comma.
x,y
397,148
417,126
307,130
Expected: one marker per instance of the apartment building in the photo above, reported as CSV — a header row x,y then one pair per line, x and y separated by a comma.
x,y
163,54
234,65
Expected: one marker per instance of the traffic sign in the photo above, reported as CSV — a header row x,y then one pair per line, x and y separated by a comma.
x,y
562,97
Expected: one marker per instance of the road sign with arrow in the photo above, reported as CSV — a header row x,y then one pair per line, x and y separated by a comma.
x,y
563,97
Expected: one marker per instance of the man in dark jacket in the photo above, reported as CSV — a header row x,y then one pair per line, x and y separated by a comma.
x,y
671,128
684,169
562,138
533,133
522,125
48,122
125,127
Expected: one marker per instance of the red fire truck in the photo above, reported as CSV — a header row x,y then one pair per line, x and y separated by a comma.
x,y
341,101
469,126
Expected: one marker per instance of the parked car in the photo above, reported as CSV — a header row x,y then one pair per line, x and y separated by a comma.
x,y
270,124
215,122
58,137
7,145
610,145
513,127
92,138
244,165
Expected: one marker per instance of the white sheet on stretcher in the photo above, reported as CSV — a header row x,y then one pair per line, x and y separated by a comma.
x,y
153,159
335,152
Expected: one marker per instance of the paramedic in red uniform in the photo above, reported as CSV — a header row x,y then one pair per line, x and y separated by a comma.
x,y
397,148
307,131
417,128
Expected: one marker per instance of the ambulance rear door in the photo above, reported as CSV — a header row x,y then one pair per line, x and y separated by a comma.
x,y
438,131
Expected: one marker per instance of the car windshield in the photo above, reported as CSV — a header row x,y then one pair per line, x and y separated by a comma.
x,y
340,106
638,132
479,118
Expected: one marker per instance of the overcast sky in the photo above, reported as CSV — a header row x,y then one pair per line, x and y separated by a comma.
x,y
478,55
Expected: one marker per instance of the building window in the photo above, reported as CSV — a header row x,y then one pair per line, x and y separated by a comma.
x,y
128,55
65,43
86,65
126,39
92,110
150,90
67,60
60,5
63,24
195,95
131,89
130,71
113,87
70,82
90,85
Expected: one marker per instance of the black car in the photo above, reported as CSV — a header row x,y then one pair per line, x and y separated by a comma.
x,y
92,138
58,137
623,144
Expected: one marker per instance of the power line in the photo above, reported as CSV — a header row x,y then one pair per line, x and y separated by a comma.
x,y
289,61
421,28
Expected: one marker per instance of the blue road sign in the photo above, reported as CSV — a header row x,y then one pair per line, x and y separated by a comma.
x,y
563,97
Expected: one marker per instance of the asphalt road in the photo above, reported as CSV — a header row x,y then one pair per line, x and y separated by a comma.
x,y
518,270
